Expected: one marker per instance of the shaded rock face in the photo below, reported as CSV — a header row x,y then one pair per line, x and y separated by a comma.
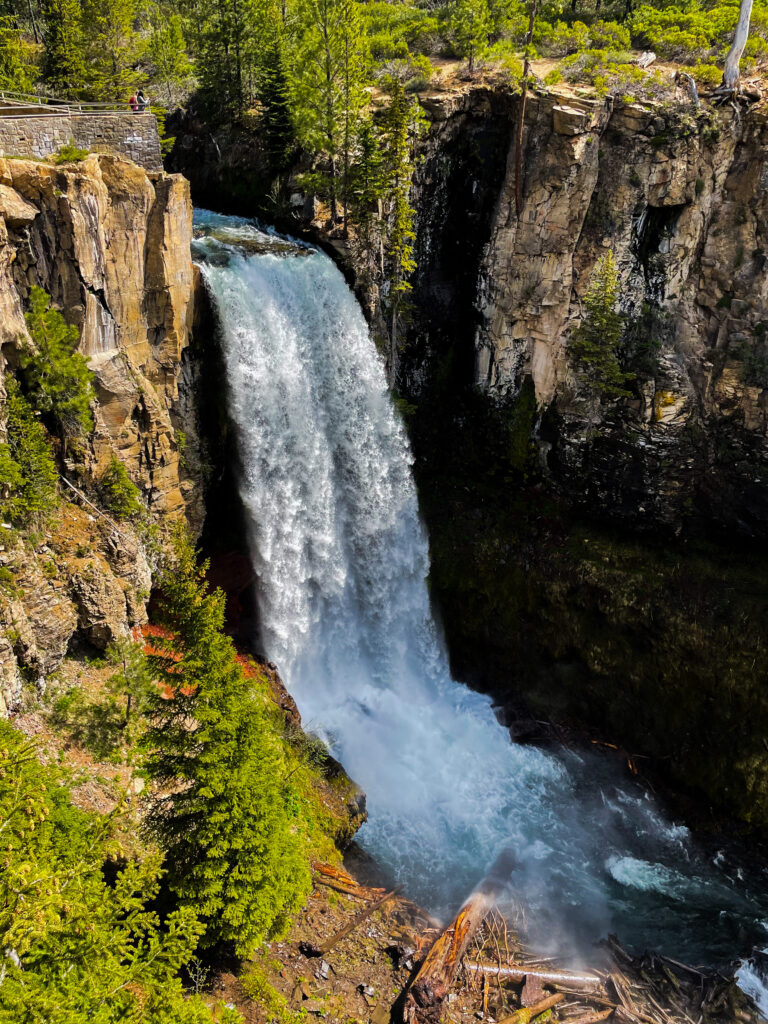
x,y
110,243
681,201
600,562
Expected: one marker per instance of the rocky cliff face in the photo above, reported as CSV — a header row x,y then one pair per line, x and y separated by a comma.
x,y
110,244
590,557
681,200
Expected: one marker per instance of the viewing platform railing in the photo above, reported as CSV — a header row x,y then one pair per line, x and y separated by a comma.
x,y
19,104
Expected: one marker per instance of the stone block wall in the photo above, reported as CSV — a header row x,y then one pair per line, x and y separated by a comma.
x,y
33,136
134,136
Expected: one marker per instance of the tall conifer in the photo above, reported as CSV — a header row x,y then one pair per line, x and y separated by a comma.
x,y
221,815
64,58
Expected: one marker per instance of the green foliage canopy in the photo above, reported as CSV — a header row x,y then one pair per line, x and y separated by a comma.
x,y
77,950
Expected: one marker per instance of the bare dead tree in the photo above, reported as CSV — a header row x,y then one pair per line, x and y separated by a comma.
x,y
731,74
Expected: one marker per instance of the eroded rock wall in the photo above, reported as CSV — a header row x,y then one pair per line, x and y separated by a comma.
x,y
110,243
600,562
681,199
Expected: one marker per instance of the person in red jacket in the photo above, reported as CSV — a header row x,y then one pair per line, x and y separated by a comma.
x,y
133,103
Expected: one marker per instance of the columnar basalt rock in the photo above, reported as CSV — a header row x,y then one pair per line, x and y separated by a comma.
x,y
110,244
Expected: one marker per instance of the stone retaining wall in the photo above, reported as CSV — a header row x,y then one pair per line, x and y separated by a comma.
x,y
134,136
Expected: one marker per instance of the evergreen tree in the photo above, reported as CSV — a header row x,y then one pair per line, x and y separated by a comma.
x,y
28,474
132,679
112,47
595,342
367,191
17,71
231,853
119,493
76,950
328,86
274,96
167,51
64,57
471,24
225,66
57,377
400,124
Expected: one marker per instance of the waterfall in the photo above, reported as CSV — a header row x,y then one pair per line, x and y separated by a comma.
x,y
342,561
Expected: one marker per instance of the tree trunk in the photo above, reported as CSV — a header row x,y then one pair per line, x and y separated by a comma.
x,y
33,19
333,191
519,143
517,973
531,20
435,977
730,81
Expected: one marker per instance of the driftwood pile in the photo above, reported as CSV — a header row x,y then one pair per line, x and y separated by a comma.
x,y
478,968
504,983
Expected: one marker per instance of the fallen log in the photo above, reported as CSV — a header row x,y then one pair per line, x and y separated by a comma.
x,y
308,949
527,1013
335,878
433,981
517,973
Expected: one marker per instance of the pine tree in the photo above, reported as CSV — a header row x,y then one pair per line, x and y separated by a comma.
x,y
76,949
227,45
119,493
367,192
595,342
274,96
64,57
167,51
28,474
401,122
471,24
17,71
56,377
231,853
132,679
328,87
112,46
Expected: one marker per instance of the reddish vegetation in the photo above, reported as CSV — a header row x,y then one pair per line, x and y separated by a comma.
x,y
147,633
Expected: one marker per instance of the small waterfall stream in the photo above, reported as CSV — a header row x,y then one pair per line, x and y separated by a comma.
x,y
342,560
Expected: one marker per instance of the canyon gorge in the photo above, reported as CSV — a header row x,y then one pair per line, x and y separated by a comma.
x,y
398,506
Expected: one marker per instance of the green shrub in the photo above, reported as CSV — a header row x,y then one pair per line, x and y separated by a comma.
x,y
561,39
56,377
70,154
553,77
119,493
708,75
504,55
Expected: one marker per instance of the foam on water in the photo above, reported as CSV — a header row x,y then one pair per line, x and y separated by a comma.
x,y
342,561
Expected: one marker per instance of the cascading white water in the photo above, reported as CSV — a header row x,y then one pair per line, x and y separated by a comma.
x,y
342,561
